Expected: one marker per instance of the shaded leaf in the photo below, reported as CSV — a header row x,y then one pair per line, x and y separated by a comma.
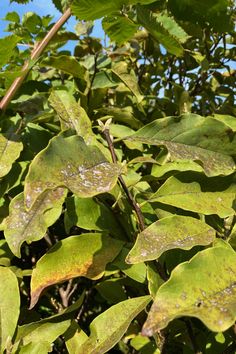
x,y
93,9
10,149
9,305
108,328
22,225
136,272
49,328
90,214
204,287
67,64
112,290
71,163
74,338
172,232
160,27
7,45
130,81
183,191
120,29
85,255
104,79
213,12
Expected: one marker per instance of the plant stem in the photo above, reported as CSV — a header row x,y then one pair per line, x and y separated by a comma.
x,y
122,182
192,337
37,51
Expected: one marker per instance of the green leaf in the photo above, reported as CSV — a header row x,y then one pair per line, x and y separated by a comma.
x,y
22,225
10,149
12,17
93,9
35,348
164,29
66,63
71,114
9,305
85,255
42,331
71,163
49,328
136,272
168,233
32,22
90,214
7,45
74,338
197,194
104,79
108,328
120,29
204,287
112,290
61,5
213,12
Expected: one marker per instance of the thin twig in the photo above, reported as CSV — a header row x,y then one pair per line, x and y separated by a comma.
x,y
131,200
37,51
192,337
66,293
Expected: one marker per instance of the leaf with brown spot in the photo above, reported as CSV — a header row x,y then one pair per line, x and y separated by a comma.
x,y
31,225
168,233
83,255
193,142
204,287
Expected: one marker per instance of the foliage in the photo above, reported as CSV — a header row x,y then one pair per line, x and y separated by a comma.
x,y
117,167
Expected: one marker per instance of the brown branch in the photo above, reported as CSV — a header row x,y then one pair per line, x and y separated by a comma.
x,y
131,200
66,293
37,51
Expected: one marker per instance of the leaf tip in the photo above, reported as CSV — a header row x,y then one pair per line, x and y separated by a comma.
x,y
147,331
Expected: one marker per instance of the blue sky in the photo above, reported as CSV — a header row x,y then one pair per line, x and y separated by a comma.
x,y
41,7
45,7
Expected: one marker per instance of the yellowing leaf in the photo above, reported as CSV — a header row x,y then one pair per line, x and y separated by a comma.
x,y
168,233
71,114
10,149
83,255
183,191
9,305
22,225
71,163
204,287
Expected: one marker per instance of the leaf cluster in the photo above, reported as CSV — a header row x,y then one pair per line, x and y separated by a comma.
x,y
117,180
